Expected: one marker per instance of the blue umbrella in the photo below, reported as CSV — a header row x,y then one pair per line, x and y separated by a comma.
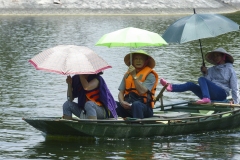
x,y
197,27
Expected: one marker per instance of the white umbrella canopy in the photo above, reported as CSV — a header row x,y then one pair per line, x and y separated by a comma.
x,y
69,59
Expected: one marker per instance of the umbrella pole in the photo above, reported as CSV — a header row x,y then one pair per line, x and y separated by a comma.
x,y
203,63
130,56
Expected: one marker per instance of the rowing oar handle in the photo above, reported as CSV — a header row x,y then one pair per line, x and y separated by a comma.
x,y
160,95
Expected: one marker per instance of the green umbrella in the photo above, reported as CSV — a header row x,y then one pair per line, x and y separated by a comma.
x,y
131,37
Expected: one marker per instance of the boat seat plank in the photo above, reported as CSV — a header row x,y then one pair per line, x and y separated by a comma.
x,y
207,112
203,113
169,115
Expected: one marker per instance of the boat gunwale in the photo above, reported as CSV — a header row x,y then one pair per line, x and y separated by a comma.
x,y
233,112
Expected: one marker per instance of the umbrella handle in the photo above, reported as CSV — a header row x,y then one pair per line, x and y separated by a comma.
x,y
68,94
203,63
130,58
131,55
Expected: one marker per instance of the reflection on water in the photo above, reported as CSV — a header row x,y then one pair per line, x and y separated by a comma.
x,y
26,92
203,146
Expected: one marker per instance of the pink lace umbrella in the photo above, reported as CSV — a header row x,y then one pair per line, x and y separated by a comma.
x,y
69,59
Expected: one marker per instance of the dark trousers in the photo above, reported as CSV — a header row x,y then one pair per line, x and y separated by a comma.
x,y
138,110
205,89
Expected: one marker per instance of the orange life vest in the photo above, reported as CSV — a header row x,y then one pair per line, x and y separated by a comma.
x,y
142,75
93,95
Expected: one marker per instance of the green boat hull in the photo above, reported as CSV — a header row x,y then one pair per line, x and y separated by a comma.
x,y
124,130
51,126
150,127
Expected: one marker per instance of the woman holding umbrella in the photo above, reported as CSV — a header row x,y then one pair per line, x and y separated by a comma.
x,y
93,96
138,86
87,85
217,83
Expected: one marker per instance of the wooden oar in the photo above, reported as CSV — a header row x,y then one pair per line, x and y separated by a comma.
x,y
159,96
217,104
173,104
229,104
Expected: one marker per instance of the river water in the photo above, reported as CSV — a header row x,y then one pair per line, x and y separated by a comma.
x,y
26,92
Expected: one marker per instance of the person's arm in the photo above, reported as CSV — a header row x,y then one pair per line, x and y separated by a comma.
x,y
209,73
139,87
234,87
88,85
121,89
149,81
204,70
123,103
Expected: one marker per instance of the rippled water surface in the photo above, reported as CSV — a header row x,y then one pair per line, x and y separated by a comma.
x,y
26,92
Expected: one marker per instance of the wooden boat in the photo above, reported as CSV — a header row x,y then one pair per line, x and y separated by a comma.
x,y
173,119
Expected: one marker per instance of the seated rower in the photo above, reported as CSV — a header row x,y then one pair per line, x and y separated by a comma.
x,y
217,83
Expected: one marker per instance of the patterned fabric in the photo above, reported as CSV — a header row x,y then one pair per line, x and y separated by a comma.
x,y
69,59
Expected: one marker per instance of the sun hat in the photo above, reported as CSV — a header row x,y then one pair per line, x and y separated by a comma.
x,y
151,61
209,55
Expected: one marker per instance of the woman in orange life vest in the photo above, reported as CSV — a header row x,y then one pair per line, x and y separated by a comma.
x,y
93,96
140,80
